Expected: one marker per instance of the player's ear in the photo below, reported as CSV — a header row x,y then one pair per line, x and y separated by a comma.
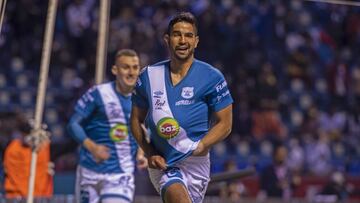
x,y
196,40
114,70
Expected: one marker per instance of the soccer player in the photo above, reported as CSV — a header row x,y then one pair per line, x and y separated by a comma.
x,y
101,125
176,99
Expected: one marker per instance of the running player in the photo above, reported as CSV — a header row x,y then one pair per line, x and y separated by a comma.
x,y
176,98
101,125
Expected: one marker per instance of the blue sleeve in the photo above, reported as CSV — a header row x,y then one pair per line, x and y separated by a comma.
x,y
218,96
87,103
84,108
75,129
139,97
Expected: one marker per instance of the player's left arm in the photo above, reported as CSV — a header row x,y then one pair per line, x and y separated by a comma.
x,y
219,131
219,100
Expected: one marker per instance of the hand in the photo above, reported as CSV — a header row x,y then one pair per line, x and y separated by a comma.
x,y
100,153
51,168
38,138
200,150
157,162
142,162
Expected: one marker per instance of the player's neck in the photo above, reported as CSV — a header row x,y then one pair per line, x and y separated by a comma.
x,y
180,67
126,91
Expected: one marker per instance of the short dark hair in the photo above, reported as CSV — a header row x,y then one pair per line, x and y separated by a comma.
x,y
125,52
182,17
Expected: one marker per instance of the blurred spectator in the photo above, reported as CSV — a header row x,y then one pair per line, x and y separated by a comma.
x,y
296,158
353,130
267,84
78,23
311,122
318,155
233,190
276,180
338,83
332,122
17,165
267,123
335,189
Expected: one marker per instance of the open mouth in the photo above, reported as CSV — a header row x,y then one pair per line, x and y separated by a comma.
x,y
182,50
130,79
182,47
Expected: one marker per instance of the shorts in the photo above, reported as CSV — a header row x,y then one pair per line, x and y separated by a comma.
x,y
92,187
193,172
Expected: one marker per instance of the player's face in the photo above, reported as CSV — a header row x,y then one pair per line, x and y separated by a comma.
x,y
126,70
182,40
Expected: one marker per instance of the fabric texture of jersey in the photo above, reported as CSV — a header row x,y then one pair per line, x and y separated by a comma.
x,y
106,122
179,114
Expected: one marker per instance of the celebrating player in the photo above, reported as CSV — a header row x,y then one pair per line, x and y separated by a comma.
x,y
101,125
176,98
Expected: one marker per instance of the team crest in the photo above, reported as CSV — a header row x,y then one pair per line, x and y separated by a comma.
x,y
187,92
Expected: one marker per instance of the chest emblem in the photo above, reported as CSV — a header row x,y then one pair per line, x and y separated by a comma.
x,y
187,92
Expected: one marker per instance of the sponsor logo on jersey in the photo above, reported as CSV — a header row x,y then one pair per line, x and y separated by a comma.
x,y
184,102
221,86
159,104
222,95
158,94
187,92
115,111
168,128
119,132
86,98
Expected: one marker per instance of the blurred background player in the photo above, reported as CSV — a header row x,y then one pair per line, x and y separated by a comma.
x,y
101,125
179,95
17,160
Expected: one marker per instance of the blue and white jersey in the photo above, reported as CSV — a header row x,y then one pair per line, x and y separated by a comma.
x,y
179,115
107,116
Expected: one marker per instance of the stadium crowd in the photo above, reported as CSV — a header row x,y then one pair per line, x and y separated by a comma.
x,y
293,68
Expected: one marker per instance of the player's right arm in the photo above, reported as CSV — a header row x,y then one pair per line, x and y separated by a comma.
x,y
154,159
99,152
139,111
83,110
